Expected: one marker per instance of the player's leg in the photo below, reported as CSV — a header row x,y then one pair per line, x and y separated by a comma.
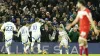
x,y
8,45
27,45
86,47
85,42
60,46
82,41
38,45
32,44
24,48
66,46
81,45
25,42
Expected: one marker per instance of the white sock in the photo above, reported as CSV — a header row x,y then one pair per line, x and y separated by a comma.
x,y
38,47
32,44
60,51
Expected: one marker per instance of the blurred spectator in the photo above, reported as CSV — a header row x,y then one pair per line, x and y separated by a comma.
x,y
99,30
90,5
70,19
74,34
92,9
48,16
45,34
55,23
92,37
98,26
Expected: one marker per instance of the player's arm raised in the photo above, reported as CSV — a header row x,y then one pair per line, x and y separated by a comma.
x,y
68,38
92,23
73,23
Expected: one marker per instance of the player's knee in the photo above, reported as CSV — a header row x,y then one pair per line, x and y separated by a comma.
x,y
66,46
38,42
60,45
81,42
7,45
25,44
86,45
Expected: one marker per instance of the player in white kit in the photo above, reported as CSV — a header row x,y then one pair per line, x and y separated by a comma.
x,y
36,34
63,38
24,37
9,27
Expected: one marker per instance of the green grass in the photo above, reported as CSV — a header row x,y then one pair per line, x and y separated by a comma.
x,y
46,55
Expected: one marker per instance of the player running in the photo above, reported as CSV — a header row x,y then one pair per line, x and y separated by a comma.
x,y
9,27
63,38
36,34
85,19
24,37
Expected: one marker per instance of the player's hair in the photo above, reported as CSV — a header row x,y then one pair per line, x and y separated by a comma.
x,y
61,26
82,2
37,20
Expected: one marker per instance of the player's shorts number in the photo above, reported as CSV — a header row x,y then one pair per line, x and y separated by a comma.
x,y
9,28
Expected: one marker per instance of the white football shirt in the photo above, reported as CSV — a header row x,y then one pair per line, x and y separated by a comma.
x,y
24,31
9,27
35,27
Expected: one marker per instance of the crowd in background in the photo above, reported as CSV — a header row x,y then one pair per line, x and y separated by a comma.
x,y
51,12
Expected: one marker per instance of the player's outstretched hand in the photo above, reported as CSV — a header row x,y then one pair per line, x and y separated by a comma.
x,y
68,27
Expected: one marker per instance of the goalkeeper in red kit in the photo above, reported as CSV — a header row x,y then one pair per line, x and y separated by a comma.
x,y
85,19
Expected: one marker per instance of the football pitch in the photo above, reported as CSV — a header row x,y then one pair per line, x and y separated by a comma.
x,y
46,55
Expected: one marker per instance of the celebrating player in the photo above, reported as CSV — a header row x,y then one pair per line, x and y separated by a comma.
x,y
36,34
85,19
9,27
63,38
24,36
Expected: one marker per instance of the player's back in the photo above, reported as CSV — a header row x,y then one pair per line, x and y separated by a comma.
x,y
36,27
9,27
24,31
